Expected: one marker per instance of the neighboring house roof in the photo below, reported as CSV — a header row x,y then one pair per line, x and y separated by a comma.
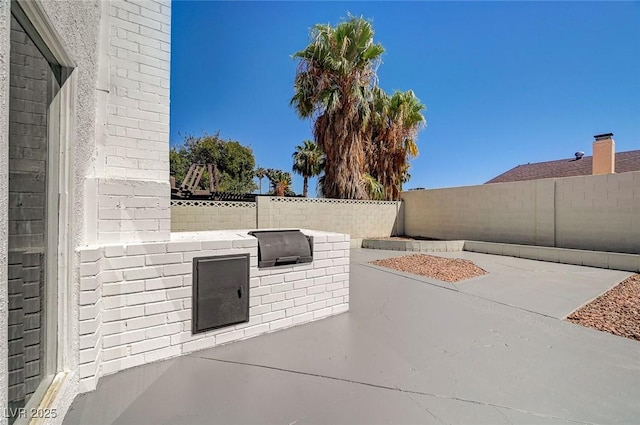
x,y
625,162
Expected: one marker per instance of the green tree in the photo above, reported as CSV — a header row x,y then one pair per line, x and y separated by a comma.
x,y
179,163
308,161
335,75
280,182
233,163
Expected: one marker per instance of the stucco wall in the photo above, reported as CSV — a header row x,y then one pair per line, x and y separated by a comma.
x,y
77,29
359,219
119,52
592,212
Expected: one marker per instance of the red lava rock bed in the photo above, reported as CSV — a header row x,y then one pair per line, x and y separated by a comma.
x,y
446,269
617,311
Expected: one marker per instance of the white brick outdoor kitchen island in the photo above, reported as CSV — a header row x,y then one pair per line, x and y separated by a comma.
x,y
136,299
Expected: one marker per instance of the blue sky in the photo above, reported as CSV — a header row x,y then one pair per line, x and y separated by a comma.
x,y
505,83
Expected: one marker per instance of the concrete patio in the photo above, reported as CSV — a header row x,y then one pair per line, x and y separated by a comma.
x,y
411,350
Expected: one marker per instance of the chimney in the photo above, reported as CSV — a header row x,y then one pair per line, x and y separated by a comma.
x,y
604,154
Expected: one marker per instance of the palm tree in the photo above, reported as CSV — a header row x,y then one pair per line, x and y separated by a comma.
x,y
280,182
260,174
406,120
320,187
333,83
308,161
374,188
393,128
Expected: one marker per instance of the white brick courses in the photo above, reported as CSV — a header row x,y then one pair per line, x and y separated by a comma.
x,y
136,298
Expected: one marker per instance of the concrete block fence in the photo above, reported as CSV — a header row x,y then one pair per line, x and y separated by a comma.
x,y
135,300
359,219
198,216
599,213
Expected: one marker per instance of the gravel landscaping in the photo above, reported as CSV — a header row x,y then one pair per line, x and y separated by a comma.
x,y
445,269
617,311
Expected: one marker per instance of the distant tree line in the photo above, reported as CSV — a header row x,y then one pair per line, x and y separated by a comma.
x,y
234,163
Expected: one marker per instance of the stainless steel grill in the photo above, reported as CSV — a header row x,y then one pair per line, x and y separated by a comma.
x,y
280,247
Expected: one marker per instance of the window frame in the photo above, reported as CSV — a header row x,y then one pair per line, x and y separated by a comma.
x,y
59,359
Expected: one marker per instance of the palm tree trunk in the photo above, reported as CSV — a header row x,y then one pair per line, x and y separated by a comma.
x,y
305,187
344,156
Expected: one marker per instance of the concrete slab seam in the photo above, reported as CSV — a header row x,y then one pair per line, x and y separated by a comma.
x,y
394,388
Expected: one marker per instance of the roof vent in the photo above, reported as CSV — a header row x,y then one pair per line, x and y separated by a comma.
x,y
579,155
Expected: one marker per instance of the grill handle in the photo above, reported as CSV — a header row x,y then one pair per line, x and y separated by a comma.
x,y
287,260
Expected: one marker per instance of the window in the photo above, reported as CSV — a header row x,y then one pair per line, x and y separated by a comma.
x,y
37,211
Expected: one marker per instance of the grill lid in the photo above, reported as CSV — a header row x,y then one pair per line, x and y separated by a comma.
x,y
279,247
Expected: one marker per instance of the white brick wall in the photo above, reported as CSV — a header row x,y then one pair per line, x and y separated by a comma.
x,y
131,181
136,298
138,104
130,211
